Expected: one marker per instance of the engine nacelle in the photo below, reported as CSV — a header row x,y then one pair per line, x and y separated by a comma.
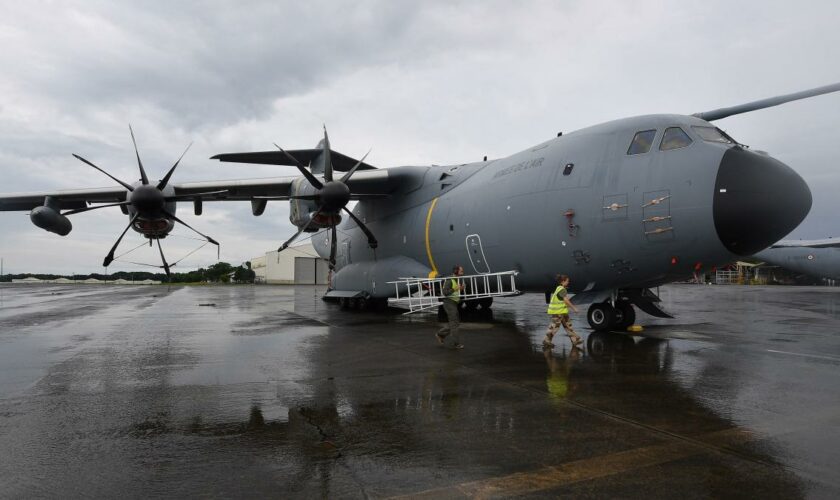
x,y
50,220
300,210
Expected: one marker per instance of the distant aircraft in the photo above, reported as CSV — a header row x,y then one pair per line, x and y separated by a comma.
x,y
621,207
818,258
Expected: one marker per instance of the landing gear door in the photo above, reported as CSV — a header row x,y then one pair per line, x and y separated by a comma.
x,y
476,253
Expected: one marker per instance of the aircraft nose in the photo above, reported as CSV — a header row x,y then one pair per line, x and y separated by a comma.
x,y
757,201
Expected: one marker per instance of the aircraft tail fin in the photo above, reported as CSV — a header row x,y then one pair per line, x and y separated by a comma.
x,y
340,162
717,114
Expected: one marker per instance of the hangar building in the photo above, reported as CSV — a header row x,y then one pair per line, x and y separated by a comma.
x,y
296,265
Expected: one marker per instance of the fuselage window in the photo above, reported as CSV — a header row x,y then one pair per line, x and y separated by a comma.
x,y
674,138
642,142
713,134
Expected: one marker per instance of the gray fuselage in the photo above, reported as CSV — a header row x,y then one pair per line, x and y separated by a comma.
x,y
578,204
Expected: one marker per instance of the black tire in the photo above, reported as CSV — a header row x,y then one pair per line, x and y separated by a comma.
x,y
468,305
485,303
627,315
362,304
343,302
601,316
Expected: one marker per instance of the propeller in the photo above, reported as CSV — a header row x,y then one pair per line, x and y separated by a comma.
x,y
147,201
331,196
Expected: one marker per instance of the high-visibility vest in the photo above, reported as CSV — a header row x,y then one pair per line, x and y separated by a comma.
x,y
455,296
557,305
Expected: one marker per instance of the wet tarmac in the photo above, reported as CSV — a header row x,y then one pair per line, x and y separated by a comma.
x,y
137,392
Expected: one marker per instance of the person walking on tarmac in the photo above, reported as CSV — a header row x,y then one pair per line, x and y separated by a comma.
x,y
558,309
452,289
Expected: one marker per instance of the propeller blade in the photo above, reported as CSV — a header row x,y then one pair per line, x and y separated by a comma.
x,y
328,170
294,237
333,247
306,173
290,240
123,184
143,175
209,239
95,207
163,182
371,238
110,257
163,259
179,197
350,172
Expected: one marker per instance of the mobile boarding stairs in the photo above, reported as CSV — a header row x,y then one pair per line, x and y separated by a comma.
x,y
422,294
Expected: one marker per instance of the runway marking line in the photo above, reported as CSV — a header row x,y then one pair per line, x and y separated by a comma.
x,y
576,471
816,356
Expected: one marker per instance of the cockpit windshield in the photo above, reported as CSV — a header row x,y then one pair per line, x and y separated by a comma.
x,y
713,134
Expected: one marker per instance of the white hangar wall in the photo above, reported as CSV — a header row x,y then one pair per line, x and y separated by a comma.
x,y
296,265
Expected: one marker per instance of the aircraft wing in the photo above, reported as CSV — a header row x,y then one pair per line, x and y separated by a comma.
x,y
68,198
367,182
824,243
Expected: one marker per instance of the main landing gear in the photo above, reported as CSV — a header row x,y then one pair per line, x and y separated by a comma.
x,y
363,303
618,312
603,316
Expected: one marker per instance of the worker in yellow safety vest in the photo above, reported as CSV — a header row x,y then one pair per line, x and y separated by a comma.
x,y
558,309
452,288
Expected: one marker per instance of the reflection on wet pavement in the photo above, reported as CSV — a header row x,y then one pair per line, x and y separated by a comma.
x,y
141,391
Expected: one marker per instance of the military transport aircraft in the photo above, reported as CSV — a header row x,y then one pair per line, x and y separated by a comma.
x,y
819,258
620,207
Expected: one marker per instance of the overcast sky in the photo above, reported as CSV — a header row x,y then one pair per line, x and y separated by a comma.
x,y
419,82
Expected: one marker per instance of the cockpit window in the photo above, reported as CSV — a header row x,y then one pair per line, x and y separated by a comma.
x,y
713,134
674,138
642,142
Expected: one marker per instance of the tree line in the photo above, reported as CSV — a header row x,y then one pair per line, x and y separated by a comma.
x,y
220,272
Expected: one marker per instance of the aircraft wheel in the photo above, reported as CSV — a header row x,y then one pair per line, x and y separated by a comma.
x,y
343,302
362,303
601,317
485,303
628,315
351,303
469,305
